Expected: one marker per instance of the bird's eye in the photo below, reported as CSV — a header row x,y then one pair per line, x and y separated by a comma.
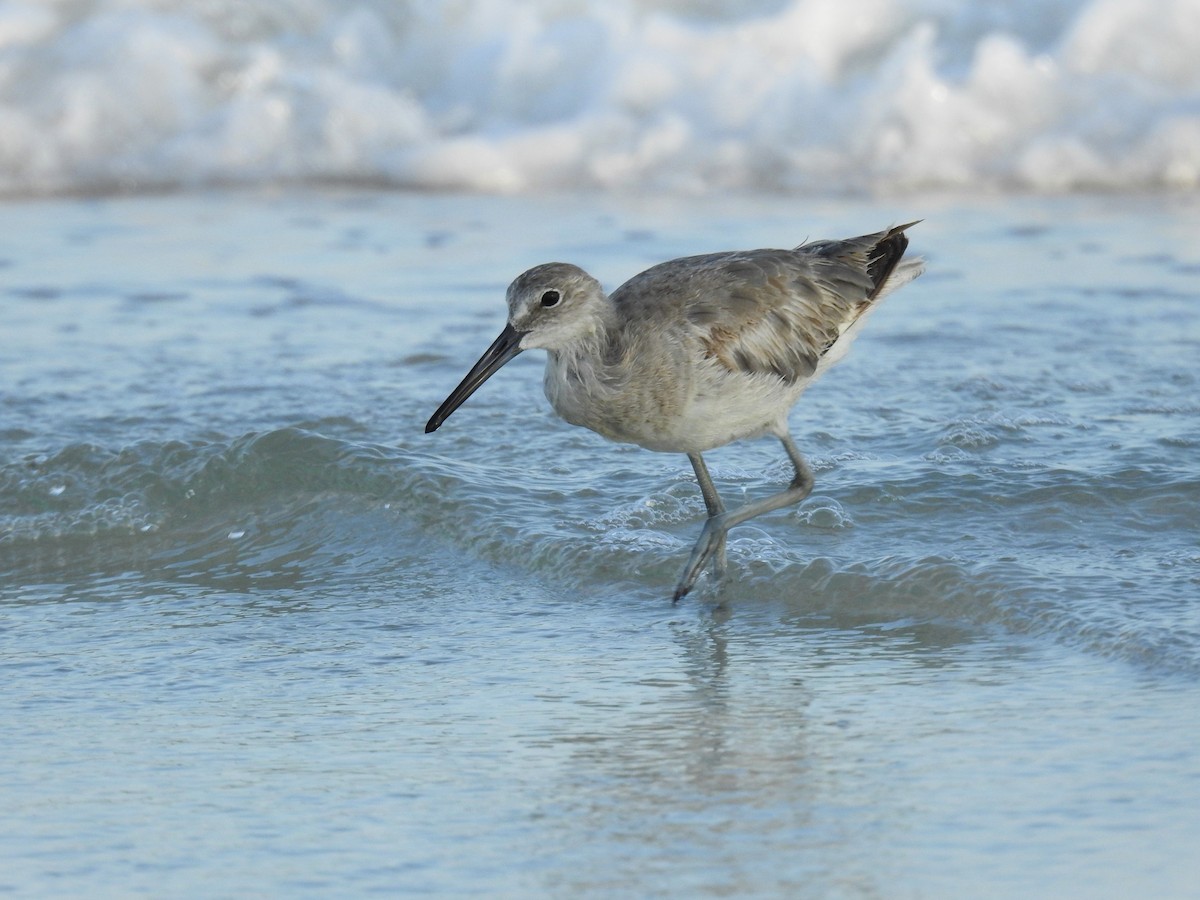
x,y
551,298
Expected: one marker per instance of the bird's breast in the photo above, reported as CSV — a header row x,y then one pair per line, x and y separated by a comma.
x,y
664,406
625,402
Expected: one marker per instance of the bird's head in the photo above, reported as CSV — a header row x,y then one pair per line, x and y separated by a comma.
x,y
553,306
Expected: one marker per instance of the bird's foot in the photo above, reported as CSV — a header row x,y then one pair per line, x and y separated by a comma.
x,y
709,546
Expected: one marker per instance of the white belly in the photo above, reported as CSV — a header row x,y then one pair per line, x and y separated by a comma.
x,y
691,415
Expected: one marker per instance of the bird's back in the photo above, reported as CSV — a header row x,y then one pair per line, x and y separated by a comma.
x,y
766,311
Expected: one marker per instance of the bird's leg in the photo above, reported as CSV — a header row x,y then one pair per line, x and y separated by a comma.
x,y
712,501
712,536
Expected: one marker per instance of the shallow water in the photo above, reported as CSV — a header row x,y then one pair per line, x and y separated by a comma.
x,y
262,635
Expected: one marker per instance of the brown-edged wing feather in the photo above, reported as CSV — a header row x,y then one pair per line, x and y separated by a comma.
x,y
765,311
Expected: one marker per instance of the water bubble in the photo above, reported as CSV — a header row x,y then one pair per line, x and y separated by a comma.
x,y
824,512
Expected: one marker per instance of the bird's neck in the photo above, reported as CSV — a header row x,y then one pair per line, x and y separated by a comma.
x,y
583,360
589,363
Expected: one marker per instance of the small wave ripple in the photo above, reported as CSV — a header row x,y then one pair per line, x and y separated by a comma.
x,y
1078,556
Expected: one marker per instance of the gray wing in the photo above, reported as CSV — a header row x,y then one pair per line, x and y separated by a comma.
x,y
768,311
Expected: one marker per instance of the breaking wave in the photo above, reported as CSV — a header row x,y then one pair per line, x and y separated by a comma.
x,y
682,95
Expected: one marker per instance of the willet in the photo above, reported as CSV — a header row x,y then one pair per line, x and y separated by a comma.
x,y
697,352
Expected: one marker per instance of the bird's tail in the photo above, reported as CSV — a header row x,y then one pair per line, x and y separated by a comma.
x,y
880,254
880,257
886,266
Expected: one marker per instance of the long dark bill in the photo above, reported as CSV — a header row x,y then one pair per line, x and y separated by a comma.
x,y
502,350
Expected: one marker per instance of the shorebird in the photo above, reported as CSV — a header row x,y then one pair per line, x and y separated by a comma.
x,y
697,352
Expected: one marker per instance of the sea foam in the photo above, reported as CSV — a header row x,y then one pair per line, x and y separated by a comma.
x,y
679,95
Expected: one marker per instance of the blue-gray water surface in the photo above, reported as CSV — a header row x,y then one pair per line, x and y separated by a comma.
x,y
262,636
